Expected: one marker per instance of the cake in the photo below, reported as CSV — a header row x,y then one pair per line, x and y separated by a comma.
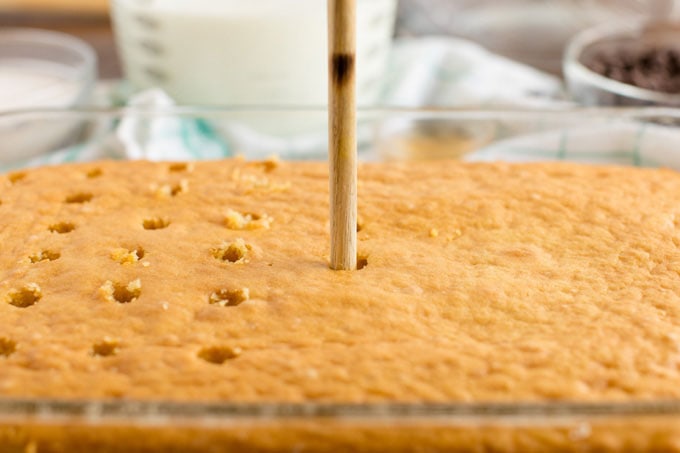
x,y
209,282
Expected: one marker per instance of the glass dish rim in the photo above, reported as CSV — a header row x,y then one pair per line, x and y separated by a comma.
x,y
99,412
453,113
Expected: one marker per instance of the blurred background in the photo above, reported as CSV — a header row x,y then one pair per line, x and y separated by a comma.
x,y
435,55
531,31
87,19
411,53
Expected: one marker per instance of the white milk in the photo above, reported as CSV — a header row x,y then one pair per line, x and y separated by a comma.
x,y
32,84
245,52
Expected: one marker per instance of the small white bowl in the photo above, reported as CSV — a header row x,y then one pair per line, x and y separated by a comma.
x,y
59,70
41,69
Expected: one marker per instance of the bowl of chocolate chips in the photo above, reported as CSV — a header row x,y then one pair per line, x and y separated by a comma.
x,y
625,65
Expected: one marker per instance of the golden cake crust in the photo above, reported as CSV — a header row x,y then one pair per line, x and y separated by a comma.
x,y
210,282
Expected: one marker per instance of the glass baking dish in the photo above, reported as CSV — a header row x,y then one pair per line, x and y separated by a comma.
x,y
643,137
635,136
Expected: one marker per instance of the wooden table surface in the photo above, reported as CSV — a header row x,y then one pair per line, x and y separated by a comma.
x,y
86,19
72,6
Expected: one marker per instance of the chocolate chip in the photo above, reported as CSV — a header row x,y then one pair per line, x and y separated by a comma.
x,y
656,69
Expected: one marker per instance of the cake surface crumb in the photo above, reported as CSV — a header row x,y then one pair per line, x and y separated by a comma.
x,y
235,220
125,256
548,282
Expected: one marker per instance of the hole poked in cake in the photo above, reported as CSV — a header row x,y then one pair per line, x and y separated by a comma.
x,y
62,227
235,220
120,292
7,347
250,182
229,297
268,165
79,198
131,255
170,190
26,296
179,188
217,355
156,223
94,173
105,348
16,177
362,262
179,167
236,252
360,224
44,255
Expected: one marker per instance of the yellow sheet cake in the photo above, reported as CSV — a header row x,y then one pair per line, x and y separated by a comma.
x,y
209,282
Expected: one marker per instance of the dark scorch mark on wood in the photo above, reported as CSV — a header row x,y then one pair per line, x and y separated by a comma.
x,y
342,66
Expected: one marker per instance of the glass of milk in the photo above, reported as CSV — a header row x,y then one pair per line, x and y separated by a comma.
x,y
245,52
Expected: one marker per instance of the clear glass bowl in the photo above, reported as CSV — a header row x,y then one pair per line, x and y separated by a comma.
x,y
195,50
56,426
188,133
